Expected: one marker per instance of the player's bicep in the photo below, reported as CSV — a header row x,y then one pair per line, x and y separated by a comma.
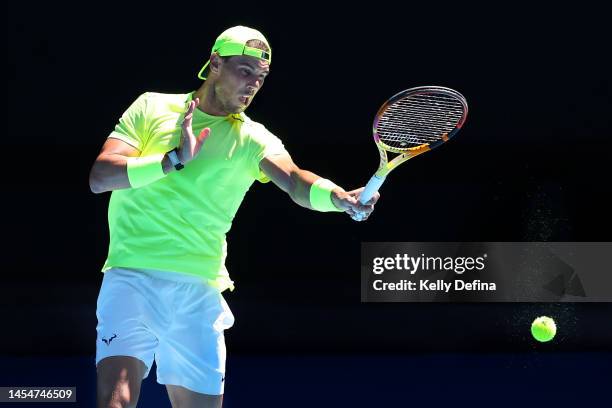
x,y
114,146
280,169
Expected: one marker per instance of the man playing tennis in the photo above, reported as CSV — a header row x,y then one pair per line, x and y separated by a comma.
x,y
174,196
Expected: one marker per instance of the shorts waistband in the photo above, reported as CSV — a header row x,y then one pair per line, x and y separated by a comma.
x,y
171,276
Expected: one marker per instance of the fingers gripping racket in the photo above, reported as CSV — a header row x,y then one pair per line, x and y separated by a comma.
x,y
413,122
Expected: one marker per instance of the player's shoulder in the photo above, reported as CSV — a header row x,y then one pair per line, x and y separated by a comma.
x,y
165,97
258,135
174,102
253,127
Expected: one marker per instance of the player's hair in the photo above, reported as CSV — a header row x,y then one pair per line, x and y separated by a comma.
x,y
260,45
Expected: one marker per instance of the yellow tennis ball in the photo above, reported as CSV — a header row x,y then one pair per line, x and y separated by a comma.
x,y
543,329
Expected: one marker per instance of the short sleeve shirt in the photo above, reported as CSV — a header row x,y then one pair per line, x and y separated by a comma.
x,y
179,223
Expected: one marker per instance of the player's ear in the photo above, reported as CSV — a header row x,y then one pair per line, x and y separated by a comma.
x,y
215,62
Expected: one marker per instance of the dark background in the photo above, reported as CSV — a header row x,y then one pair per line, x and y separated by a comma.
x,y
531,163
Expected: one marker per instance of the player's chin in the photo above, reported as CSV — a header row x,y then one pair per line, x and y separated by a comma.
x,y
239,108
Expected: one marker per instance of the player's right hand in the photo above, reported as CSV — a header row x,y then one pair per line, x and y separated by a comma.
x,y
349,202
190,145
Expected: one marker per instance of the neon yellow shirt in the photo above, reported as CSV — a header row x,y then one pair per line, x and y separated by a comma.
x,y
179,223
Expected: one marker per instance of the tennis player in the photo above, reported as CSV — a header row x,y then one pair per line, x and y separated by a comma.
x,y
174,196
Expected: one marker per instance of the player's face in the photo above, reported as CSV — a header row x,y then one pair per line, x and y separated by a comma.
x,y
240,78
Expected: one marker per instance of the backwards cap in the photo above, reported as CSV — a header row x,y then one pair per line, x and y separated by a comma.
x,y
233,42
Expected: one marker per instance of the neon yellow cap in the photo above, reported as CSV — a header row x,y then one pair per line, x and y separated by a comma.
x,y
233,42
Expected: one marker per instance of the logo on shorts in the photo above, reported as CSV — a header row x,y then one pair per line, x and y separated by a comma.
x,y
109,340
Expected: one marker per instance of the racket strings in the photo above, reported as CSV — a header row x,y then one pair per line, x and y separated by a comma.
x,y
419,119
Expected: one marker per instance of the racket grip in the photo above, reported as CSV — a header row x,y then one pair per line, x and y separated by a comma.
x,y
371,188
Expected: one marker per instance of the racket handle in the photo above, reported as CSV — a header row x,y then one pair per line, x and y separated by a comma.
x,y
371,188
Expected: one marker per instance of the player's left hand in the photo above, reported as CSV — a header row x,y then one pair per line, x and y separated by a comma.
x,y
190,145
349,202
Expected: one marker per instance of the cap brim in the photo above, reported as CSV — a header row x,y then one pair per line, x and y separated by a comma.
x,y
202,70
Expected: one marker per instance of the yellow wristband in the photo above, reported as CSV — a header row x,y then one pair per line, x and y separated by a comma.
x,y
320,196
144,170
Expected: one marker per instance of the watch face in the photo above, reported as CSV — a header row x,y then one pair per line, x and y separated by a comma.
x,y
174,158
173,155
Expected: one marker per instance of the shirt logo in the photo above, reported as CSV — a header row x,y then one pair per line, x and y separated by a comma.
x,y
109,340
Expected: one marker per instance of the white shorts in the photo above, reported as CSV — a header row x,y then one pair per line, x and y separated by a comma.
x,y
173,318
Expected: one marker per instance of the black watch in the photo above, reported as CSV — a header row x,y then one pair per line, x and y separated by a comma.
x,y
174,159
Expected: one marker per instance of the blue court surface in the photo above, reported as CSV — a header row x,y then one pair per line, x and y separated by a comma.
x,y
572,379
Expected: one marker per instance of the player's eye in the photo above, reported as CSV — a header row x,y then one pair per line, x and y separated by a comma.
x,y
245,72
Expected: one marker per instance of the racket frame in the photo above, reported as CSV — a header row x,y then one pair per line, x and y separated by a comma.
x,y
385,165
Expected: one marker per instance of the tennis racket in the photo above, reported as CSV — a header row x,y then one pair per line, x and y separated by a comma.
x,y
413,122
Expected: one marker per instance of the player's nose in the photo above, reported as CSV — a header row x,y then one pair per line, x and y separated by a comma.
x,y
254,86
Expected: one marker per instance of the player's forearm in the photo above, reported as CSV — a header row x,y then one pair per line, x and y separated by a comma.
x,y
304,187
302,181
110,172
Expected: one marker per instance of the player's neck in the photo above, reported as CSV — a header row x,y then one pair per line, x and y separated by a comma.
x,y
208,101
